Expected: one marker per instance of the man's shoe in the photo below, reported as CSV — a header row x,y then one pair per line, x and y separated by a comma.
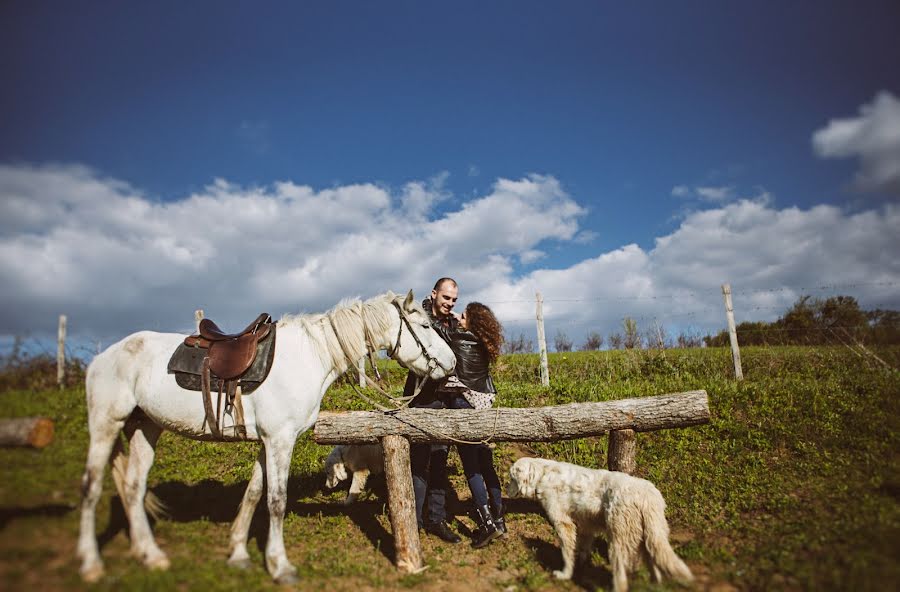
x,y
442,531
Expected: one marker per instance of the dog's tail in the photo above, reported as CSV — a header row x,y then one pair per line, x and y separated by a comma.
x,y
118,462
656,538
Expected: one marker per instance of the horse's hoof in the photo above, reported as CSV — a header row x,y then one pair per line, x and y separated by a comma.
x,y
92,573
288,579
158,563
242,563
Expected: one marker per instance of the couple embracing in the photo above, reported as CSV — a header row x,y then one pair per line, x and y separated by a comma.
x,y
475,337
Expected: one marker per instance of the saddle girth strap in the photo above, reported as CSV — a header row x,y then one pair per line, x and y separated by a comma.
x,y
240,430
211,420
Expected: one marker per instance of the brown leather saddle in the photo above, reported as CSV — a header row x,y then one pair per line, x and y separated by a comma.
x,y
231,363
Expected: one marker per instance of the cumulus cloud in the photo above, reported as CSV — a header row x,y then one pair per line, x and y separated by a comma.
x,y
98,250
770,256
873,137
115,261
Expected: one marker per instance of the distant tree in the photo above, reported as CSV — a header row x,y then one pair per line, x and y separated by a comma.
x,y
841,314
884,326
592,342
518,345
562,342
616,341
632,335
809,321
657,337
686,340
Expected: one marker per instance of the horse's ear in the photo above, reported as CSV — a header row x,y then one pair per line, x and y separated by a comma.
x,y
408,303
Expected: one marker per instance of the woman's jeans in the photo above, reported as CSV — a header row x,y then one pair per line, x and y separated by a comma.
x,y
478,465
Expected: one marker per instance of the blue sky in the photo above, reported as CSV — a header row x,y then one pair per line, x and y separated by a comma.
x,y
634,131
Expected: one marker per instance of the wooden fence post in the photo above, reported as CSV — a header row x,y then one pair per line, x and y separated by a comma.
x,y
542,341
402,504
61,352
732,332
620,455
198,316
361,366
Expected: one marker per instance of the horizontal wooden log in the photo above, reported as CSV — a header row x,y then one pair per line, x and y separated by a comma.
x,y
506,424
36,432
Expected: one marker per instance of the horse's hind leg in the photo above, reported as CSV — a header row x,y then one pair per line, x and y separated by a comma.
x,y
142,451
240,530
103,436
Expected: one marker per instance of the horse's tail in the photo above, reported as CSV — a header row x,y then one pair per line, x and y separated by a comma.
x,y
118,462
656,539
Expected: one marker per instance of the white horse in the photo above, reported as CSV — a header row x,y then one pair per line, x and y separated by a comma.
x,y
128,388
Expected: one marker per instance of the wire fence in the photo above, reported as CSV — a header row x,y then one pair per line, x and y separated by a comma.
x,y
640,323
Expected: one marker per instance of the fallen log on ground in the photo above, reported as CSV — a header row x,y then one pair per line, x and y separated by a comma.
x,y
36,432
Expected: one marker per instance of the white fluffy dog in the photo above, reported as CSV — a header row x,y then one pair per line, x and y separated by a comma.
x,y
581,503
360,460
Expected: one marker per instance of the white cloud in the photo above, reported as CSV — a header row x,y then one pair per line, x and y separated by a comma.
x,y
585,237
714,194
681,191
873,136
708,193
530,256
769,256
96,249
114,261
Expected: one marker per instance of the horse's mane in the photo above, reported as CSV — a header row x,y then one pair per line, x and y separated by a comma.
x,y
339,334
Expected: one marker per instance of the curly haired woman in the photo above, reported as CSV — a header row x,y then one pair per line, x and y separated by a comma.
x,y
477,346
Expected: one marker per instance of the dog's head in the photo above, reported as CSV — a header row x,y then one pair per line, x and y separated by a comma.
x,y
523,477
335,471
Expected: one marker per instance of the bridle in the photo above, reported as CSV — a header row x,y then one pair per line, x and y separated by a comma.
x,y
404,319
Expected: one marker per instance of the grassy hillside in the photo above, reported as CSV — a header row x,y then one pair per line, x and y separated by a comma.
x,y
793,485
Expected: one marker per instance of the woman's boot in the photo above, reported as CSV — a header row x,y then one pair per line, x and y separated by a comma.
x,y
500,523
487,530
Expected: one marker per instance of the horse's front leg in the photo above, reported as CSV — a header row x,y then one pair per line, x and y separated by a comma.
x,y
240,530
278,464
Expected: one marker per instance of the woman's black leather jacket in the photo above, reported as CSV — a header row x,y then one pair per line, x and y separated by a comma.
x,y
472,361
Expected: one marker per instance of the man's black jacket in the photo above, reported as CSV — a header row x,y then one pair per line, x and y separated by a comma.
x,y
427,397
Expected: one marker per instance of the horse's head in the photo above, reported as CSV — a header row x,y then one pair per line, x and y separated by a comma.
x,y
418,346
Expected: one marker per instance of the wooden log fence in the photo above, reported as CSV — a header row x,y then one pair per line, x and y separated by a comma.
x,y
397,429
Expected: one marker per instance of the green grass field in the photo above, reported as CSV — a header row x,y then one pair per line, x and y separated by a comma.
x,y
793,485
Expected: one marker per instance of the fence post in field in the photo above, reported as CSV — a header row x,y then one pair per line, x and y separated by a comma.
x,y
61,352
542,341
622,451
402,504
198,316
732,332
